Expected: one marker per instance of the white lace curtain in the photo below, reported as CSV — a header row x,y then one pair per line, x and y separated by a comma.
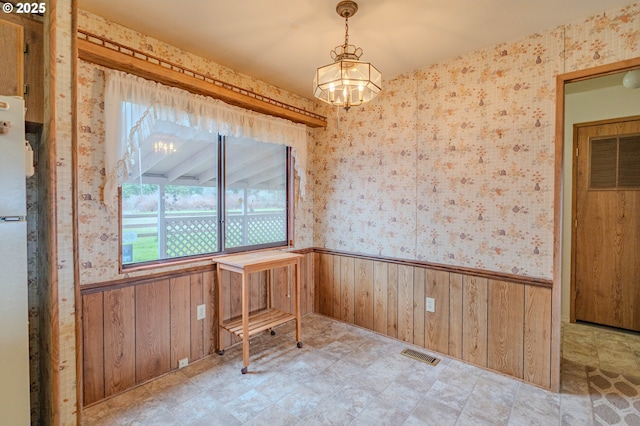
x,y
135,108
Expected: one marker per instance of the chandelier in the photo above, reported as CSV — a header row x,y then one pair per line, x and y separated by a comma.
x,y
347,81
163,147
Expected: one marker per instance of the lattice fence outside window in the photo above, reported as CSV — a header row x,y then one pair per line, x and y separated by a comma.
x,y
191,236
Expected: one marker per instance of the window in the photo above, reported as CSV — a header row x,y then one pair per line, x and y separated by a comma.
x,y
196,176
172,205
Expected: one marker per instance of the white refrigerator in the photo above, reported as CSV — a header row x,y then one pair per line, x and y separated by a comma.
x,y
14,331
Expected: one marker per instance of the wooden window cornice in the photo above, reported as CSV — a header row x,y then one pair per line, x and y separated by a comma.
x,y
100,51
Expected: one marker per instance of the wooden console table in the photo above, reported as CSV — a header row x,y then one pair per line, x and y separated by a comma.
x,y
250,325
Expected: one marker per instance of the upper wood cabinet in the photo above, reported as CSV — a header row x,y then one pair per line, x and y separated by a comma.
x,y
22,66
12,65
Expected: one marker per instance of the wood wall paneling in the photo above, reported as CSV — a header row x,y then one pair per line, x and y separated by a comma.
x,y
153,333
380,296
308,294
141,329
364,293
180,319
537,336
347,296
336,294
196,337
474,320
419,283
119,340
258,291
495,323
325,284
505,324
405,303
317,299
437,323
392,300
210,323
455,315
93,347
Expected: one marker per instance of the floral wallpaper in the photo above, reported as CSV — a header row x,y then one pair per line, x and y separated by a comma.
x,y
454,163
99,229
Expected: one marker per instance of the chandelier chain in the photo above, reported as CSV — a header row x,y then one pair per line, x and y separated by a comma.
x,y
346,31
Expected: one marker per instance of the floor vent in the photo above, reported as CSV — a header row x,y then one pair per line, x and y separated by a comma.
x,y
421,356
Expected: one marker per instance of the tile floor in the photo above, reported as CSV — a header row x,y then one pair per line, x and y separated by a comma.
x,y
348,375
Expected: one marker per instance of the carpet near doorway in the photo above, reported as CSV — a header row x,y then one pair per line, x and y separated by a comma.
x,y
615,397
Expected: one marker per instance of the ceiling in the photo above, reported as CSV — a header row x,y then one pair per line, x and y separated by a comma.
x,y
284,41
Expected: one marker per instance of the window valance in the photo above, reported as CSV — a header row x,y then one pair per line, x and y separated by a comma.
x,y
136,108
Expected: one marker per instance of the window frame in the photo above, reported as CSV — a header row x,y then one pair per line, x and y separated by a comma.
x,y
221,216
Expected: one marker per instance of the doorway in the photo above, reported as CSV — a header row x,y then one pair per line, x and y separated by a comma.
x,y
584,96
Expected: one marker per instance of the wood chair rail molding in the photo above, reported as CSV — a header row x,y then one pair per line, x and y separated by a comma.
x,y
101,51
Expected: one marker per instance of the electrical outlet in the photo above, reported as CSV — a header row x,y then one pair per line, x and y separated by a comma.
x,y
201,312
183,362
431,304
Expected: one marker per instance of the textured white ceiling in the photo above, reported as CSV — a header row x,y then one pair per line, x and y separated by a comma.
x,y
284,41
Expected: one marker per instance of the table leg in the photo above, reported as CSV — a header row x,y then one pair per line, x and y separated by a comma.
x,y
297,290
245,322
220,315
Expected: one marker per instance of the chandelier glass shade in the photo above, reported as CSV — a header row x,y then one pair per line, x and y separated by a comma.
x,y
347,81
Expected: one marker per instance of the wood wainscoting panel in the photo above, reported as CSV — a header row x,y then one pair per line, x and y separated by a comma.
x,y
317,305
364,293
419,285
210,323
505,327
139,329
336,293
93,347
325,282
491,320
537,335
153,331
196,338
392,301
347,283
405,303
380,296
474,320
455,315
119,340
308,294
180,319
281,290
437,323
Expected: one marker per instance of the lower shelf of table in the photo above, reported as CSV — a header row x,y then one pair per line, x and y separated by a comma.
x,y
259,322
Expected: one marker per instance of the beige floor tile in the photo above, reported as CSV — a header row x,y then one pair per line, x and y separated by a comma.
x,y
327,414
432,412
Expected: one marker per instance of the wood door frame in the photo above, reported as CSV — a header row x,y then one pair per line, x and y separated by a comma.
x,y
558,190
574,200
